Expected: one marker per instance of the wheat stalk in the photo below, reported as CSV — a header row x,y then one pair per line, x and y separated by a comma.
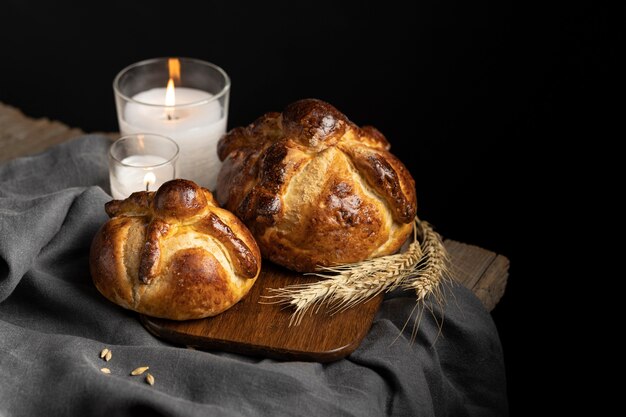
x,y
433,267
421,268
432,270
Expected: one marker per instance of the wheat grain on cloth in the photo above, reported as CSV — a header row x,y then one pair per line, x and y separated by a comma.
x,y
54,324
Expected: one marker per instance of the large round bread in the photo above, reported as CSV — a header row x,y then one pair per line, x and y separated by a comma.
x,y
173,254
314,188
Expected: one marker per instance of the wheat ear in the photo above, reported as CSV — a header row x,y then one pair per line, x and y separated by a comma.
x,y
433,267
432,271
347,285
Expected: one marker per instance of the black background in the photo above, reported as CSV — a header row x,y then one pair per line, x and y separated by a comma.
x,y
480,100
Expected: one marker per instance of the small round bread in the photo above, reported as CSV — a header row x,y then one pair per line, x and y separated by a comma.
x,y
314,188
173,254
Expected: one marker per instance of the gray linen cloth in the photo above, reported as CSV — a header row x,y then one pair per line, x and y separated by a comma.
x,y
53,324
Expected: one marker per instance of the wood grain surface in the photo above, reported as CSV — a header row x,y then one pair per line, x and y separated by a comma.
x,y
21,135
254,328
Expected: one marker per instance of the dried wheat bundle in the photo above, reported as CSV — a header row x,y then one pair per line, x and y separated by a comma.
x,y
421,267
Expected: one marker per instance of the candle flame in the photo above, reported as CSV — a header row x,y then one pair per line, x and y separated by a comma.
x,y
170,99
173,64
149,179
170,94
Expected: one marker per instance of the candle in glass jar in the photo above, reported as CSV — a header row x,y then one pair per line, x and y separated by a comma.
x,y
139,173
194,121
141,162
184,99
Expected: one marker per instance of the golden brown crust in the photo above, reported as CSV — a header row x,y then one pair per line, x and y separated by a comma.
x,y
313,124
314,188
388,176
150,257
245,261
173,254
137,204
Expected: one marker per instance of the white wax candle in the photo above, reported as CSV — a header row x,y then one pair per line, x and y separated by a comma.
x,y
138,172
196,128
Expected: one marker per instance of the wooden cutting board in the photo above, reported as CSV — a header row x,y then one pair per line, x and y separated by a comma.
x,y
263,330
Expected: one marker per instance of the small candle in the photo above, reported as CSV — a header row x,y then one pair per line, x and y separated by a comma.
x,y
139,173
141,162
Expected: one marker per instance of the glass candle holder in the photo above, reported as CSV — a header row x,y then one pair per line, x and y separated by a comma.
x,y
181,98
141,162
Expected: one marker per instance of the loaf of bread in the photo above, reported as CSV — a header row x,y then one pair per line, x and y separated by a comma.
x,y
173,254
314,188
